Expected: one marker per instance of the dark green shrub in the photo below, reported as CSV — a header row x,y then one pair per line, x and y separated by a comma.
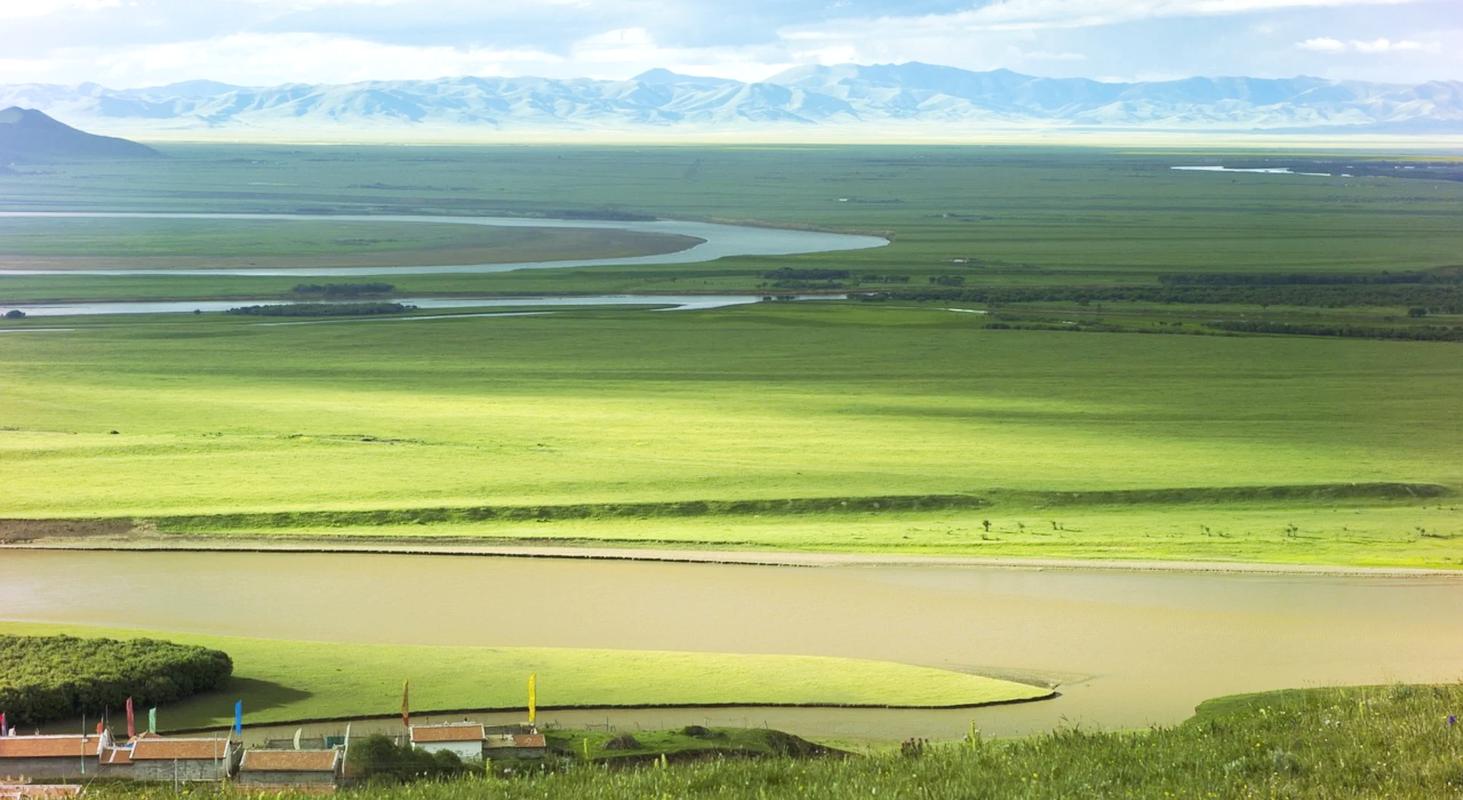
x,y
45,678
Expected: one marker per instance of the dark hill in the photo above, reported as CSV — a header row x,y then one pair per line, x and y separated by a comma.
x,y
29,135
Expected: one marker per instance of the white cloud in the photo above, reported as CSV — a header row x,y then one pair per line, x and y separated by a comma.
x,y
1326,44
30,9
268,59
1018,15
1322,44
1389,46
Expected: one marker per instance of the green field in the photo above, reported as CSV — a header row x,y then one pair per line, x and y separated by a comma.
x,y
226,427
282,681
217,416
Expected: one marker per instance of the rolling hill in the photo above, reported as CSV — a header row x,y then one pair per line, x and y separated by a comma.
x,y
28,135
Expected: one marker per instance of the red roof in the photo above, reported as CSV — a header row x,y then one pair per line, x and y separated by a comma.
x,y
452,732
157,748
48,746
290,760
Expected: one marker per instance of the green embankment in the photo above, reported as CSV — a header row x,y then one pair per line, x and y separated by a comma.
x,y
1366,742
283,681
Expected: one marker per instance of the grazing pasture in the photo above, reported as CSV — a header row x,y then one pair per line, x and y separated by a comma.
x,y
218,416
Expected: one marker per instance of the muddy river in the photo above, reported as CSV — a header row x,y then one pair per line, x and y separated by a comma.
x,y
1127,648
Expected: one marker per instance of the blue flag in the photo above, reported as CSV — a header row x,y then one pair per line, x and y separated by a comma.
x,y
238,716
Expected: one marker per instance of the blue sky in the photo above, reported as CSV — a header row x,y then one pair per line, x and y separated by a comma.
x,y
126,43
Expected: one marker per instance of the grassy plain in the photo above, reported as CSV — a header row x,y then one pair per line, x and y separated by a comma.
x,y
222,416
1363,742
229,417
282,681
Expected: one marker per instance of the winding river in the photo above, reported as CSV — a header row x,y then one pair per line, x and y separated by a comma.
x,y
1127,649
717,241
662,302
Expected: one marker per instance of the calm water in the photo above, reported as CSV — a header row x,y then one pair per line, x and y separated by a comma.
x,y
1129,649
688,302
718,241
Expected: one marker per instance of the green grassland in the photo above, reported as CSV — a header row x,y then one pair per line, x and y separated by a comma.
x,y
228,427
215,415
283,681
71,243
1361,742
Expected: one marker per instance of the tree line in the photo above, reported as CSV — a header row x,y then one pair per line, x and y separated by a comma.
x,y
1435,298
45,678
342,289
322,309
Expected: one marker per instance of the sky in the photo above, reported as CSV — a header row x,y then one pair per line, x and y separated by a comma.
x,y
133,43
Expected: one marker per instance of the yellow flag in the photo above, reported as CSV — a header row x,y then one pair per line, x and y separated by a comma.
x,y
532,697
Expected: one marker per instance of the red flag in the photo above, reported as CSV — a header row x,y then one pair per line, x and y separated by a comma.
x,y
131,721
101,726
3,729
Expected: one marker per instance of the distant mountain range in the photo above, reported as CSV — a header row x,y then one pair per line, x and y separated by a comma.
x,y
27,135
910,97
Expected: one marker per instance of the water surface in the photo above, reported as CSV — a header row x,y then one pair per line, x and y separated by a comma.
x,y
718,241
1128,648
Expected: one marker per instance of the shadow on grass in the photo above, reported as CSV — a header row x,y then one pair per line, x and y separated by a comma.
x,y
216,709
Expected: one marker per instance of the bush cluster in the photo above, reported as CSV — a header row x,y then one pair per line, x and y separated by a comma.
x,y
343,289
380,760
322,309
1435,297
45,678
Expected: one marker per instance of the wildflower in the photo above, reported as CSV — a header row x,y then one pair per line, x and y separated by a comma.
x,y
1452,720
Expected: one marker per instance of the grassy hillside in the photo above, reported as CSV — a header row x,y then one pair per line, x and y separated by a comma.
x,y
283,681
1374,742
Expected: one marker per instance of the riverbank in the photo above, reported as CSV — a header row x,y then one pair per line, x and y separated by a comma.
x,y
764,558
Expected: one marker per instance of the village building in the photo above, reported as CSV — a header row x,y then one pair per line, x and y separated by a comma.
x,y
290,769
516,744
48,758
465,739
115,762
158,758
